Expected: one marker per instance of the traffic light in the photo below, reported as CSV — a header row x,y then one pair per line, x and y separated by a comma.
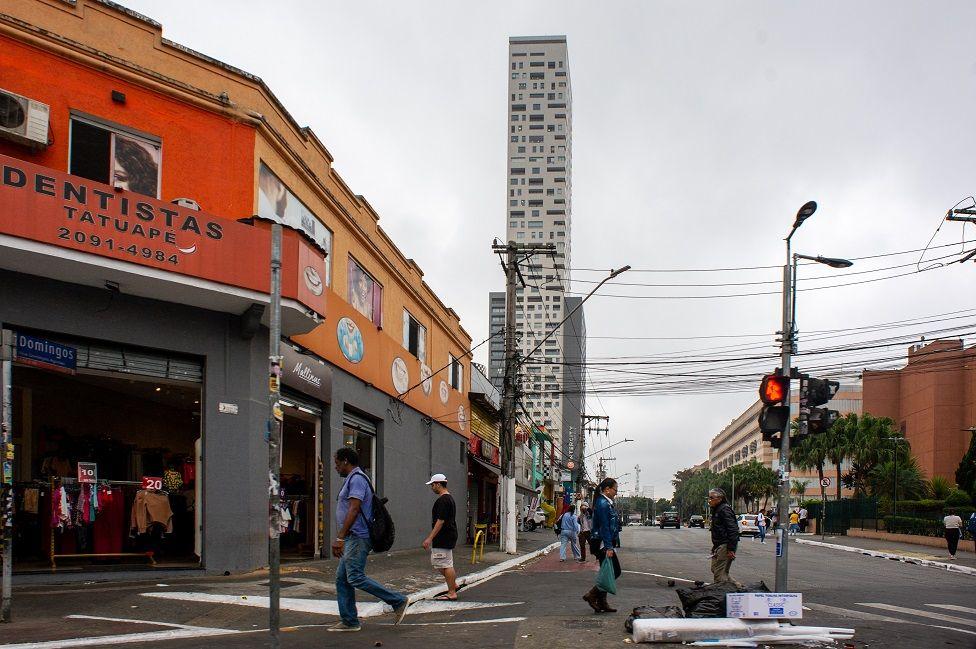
x,y
817,392
775,416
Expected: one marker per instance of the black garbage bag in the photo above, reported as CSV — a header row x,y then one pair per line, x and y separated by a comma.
x,y
706,601
651,612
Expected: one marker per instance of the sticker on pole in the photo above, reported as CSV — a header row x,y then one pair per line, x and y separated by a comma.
x,y
825,482
779,542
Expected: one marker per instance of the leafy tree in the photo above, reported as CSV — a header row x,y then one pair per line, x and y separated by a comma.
x,y
966,473
958,498
911,483
867,446
798,487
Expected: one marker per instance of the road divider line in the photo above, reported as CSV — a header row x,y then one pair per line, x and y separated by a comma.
x,y
128,638
499,620
949,567
954,607
131,621
918,612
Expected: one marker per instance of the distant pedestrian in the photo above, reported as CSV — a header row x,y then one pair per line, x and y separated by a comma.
x,y
586,524
794,522
443,535
953,530
352,545
971,526
569,530
604,537
725,536
761,526
803,519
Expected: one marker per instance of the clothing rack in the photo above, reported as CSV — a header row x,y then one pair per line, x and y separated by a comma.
x,y
107,555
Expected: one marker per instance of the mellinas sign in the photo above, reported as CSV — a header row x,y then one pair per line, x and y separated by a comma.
x,y
306,374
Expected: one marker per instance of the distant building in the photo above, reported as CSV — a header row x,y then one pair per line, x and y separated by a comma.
x,y
932,401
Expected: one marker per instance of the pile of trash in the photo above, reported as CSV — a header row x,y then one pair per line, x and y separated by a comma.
x,y
701,621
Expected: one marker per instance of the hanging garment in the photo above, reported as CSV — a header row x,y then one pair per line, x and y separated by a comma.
x,y
296,516
31,497
60,509
172,480
149,508
110,525
189,471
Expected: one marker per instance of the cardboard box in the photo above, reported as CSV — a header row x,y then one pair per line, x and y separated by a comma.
x,y
764,606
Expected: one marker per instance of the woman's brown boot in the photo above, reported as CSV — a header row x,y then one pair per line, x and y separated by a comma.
x,y
602,601
592,597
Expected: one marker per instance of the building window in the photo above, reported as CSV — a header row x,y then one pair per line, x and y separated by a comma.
x,y
457,373
125,160
414,337
365,293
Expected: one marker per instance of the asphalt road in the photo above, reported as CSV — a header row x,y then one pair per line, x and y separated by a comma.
x,y
890,604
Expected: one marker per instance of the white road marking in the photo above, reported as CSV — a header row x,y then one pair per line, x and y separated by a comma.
x,y
654,574
128,638
324,606
851,613
499,620
954,607
130,621
920,613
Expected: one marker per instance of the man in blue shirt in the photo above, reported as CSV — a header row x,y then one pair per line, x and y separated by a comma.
x,y
352,544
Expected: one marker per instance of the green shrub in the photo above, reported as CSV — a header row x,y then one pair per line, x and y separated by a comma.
x,y
912,525
958,498
928,505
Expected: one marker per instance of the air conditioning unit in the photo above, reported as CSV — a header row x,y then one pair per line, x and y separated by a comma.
x,y
23,120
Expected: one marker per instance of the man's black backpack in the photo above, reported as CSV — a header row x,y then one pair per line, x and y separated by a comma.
x,y
381,530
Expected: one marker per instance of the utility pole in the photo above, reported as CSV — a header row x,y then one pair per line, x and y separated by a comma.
x,y
7,470
274,441
509,515
589,424
637,479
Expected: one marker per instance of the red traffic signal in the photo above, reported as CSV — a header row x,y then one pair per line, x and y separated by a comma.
x,y
773,389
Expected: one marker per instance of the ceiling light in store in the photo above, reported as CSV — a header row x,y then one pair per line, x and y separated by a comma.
x,y
197,401
158,389
311,412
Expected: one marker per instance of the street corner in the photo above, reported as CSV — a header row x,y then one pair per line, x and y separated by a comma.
x,y
551,563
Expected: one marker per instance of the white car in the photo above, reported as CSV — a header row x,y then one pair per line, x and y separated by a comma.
x,y
747,525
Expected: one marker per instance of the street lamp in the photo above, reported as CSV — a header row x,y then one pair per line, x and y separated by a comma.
x,y
788,349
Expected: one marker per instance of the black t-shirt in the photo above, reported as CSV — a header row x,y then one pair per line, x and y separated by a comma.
x,y
444,510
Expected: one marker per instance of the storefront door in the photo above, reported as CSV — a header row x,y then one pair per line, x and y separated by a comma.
x,y
301,448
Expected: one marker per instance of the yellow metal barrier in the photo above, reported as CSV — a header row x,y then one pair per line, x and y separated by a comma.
x,y
479,537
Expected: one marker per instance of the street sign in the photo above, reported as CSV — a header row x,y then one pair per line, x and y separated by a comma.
x,y
45,354
825,482
571,465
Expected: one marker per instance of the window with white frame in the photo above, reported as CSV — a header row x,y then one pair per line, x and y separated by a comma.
x,y
414,337
113,155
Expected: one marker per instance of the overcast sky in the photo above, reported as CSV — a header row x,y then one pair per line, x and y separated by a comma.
x,y
699,129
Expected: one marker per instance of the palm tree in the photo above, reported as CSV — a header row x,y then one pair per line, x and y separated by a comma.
x,y
940,487
811,453
868,445
798,487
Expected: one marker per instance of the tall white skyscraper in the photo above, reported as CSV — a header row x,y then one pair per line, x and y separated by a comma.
x,y
539,209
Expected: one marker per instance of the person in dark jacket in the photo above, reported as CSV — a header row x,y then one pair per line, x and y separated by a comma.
x,y
725,536
604,537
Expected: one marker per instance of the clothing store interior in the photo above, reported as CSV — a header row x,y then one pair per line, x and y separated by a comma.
x,y
299,477
123,428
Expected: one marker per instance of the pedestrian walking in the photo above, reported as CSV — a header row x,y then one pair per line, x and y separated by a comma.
x,y
953,530
586,524
803,519
569,530
725,536
971,526
794,522
352,545
443,535
604,537
761,526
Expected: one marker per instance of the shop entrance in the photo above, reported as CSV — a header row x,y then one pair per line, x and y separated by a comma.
x,y
300,472
120,429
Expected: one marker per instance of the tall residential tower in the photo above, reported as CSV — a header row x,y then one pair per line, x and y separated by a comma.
x,y
538,210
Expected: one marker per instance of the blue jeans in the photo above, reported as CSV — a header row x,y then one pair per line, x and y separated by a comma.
x,y
762,532
352,575
568,538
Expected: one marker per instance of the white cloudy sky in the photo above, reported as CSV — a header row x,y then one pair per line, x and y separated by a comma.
x,y
699,129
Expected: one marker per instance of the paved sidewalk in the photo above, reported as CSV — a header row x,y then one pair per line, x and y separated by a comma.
x,y
906,550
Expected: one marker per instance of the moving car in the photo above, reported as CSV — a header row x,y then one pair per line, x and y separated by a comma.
x,y
670,519
536,520
696,520
747,525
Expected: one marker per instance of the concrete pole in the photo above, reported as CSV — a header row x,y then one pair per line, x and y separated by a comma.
x,y
274,441
509,519
782,536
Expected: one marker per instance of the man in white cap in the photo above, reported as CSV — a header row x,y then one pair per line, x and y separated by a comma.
x,y
443,535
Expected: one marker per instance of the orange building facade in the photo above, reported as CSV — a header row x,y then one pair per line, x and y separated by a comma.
x,y
138,183
932,400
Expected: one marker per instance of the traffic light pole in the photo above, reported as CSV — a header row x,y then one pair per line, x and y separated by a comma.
x,y
782,536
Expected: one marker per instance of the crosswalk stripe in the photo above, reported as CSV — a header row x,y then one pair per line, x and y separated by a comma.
x,y
954,607
919,613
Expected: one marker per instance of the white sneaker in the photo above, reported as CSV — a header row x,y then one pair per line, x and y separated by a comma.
x,y
341,627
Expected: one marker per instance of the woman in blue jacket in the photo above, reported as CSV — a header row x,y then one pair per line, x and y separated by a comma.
x,y
604,537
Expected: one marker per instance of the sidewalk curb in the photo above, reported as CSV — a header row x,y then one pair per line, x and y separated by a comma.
x,y
476,577
949,567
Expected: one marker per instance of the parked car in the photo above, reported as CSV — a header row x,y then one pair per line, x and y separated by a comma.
x,y
634,524
669,519
536,520
747,525
696,520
